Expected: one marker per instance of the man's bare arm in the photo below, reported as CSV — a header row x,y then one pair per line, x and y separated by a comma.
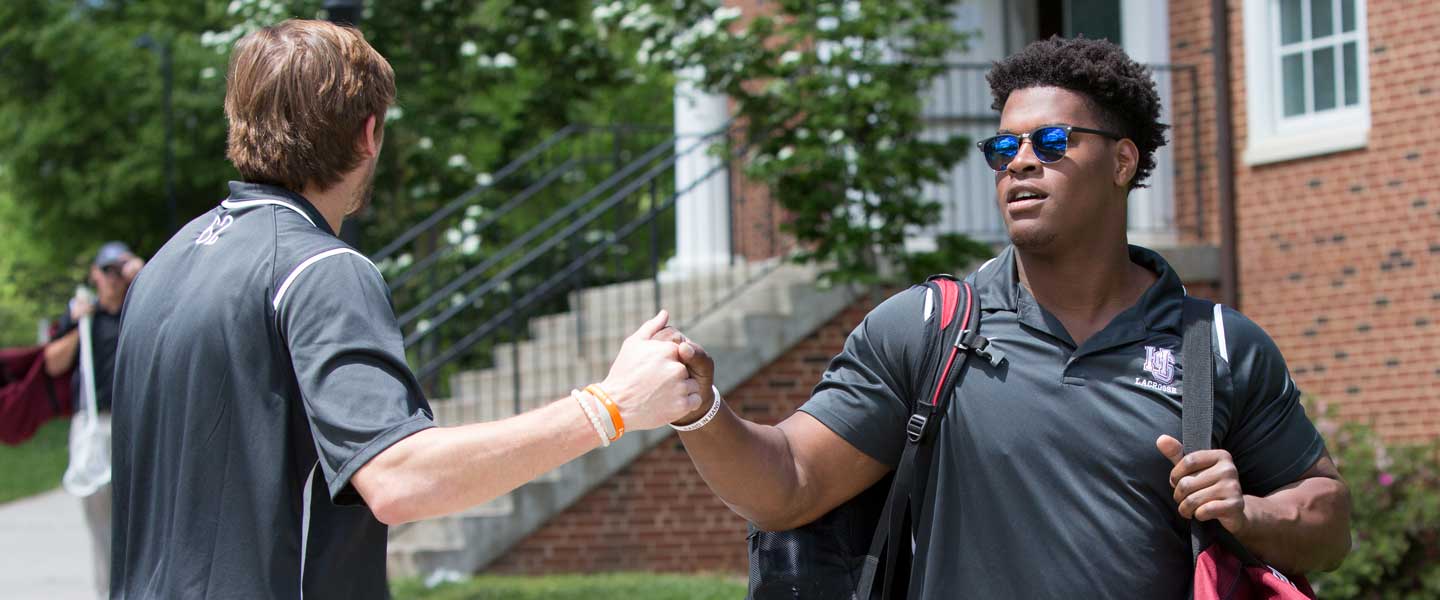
x,y
60,353
778,477
443,470
1301,527
781,476
1304,526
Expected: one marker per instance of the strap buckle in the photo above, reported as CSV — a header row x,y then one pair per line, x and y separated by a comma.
x,y
915,429
981,348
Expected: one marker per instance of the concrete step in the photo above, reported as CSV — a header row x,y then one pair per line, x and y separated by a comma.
x,y
676,286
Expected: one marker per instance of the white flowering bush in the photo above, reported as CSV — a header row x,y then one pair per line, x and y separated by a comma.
x,y
828,94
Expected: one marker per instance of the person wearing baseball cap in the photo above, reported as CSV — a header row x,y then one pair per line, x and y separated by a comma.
x,y
111,272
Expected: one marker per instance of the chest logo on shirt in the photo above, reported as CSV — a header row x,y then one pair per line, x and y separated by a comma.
x,y
1160,364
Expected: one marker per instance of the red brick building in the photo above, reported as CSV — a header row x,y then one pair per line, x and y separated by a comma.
x,y
1309,211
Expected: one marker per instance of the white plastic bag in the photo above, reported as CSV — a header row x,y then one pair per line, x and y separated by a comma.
x,y
89,468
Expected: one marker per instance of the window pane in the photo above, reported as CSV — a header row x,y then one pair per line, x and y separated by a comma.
x,y
1290,21
1322,18
1324,63
1352,74
1347,15
1292,69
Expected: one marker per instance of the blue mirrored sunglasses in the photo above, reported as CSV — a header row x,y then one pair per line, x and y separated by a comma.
x,y
1049,144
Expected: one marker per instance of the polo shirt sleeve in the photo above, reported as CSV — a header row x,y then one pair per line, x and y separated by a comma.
x,y
1272,441
865,394
358,393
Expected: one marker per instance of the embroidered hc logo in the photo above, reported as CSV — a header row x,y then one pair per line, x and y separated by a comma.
x,y
1160,364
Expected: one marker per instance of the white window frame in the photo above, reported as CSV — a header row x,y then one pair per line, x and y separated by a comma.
x,y
1271,137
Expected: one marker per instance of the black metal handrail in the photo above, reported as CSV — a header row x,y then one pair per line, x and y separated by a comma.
x,y
424,264
518,307
469,197
518,244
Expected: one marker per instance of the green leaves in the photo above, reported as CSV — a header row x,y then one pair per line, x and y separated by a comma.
x,y
1395,491
82,125
828,98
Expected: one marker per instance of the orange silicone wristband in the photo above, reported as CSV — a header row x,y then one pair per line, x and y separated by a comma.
x,y
609,406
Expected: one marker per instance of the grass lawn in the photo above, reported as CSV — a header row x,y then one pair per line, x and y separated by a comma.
x,y
609,586
36,465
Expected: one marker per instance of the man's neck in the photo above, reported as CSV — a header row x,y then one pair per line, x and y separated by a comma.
x,y
331,203
1083,286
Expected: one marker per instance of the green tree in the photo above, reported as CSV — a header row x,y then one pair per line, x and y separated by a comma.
x,y
828,100
80,121
81,128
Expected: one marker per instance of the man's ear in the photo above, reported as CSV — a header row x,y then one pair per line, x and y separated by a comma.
x,y
370,136
1127,162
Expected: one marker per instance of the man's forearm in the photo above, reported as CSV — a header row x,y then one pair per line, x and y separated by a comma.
x,y
1300,528
60,354
749,466
448,469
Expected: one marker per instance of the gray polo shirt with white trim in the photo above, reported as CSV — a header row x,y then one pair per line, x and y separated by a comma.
x,y
259,367
1047,480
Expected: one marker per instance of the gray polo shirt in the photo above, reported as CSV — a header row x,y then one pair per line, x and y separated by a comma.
x,y
259,367
1048,483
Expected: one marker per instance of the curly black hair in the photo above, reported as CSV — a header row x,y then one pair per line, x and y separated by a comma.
x,y
1119,89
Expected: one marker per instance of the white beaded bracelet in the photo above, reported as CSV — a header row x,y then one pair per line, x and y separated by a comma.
x,y
594,418
600,413
705,420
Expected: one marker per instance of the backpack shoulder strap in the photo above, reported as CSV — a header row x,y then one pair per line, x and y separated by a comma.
x,y
1197,387
954,338
1197,412
1197,390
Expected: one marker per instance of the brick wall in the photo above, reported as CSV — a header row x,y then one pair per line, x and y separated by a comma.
x,y
657,514
1340,254
1190,46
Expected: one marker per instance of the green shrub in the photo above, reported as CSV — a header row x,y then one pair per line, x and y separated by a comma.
x,y
1395,551
608,586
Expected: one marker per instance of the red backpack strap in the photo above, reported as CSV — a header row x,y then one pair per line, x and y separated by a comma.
x,y
949,288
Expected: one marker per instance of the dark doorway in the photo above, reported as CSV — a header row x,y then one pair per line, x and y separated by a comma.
x,y
1069,18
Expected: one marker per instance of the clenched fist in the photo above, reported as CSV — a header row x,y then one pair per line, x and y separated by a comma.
x,y
700,365
1206,484
648,382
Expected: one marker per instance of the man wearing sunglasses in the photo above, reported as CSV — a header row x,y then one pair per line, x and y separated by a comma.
x,y
1058,472
114,267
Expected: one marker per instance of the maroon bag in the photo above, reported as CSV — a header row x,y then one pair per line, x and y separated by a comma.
x,y
28,396
1221,575
1224,569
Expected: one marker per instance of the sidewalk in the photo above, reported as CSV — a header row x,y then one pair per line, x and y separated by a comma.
x,y
45,549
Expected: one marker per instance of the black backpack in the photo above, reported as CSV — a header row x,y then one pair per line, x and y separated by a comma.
x,y
861,549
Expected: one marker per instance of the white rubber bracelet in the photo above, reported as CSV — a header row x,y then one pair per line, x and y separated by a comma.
x,y
594,419
709,415
601,413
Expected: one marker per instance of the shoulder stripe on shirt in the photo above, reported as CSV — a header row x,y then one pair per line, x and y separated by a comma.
x,y
244,204
290,279
1220,334
305,500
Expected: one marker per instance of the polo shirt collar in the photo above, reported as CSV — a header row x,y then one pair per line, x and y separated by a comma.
x,y
1158,309
244,191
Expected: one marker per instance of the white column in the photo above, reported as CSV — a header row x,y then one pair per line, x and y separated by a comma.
x,y
702,214
1145,34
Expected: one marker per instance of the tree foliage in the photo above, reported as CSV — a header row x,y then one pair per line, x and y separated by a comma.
x,y
1395,492
81,119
